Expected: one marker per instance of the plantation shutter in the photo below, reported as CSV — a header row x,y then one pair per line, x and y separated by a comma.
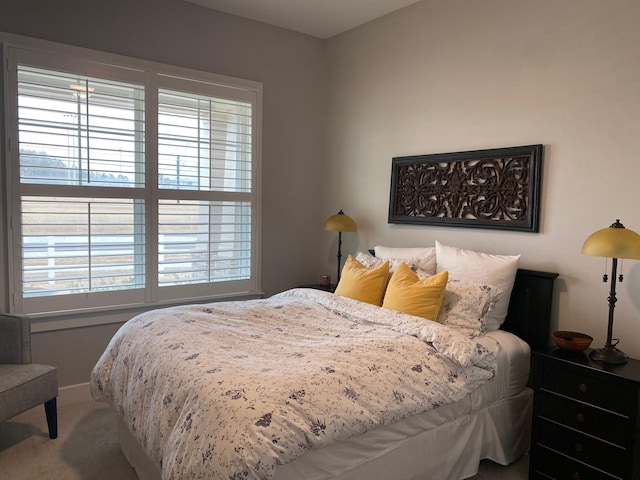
x,y
128,186
81,157
204,148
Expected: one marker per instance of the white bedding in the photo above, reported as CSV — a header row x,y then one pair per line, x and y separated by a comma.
x,y
262,382
446,443
492,423
513,362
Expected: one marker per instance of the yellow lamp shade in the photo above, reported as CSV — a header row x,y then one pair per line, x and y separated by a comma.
x,y
615,241
340,223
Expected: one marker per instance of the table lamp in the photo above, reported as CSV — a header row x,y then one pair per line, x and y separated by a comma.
x,y
340,223
614,242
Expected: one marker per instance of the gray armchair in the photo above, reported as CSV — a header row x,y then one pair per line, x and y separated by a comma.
x,y
24,385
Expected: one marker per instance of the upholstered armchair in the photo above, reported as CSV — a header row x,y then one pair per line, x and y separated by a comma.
x,y
24,385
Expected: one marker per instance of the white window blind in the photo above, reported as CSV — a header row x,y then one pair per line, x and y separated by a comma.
x,y
204,241
76,133
79,130
80,245
204,143
204,146
128,185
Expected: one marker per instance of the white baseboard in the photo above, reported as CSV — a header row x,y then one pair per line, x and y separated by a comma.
x,y
71,394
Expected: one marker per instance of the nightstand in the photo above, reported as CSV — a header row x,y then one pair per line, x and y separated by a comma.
x,y
327,288
585,418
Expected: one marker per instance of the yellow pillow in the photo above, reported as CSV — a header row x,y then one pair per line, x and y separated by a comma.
x,y
362,283
407,293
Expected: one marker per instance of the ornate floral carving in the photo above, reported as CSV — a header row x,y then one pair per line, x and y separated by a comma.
x,y
491,188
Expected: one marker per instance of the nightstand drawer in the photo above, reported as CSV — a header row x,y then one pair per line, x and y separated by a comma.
x,y
599,454
585,418
593,421
558,467
591,389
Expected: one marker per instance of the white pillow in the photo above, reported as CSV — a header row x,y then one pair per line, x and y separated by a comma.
x,y
425,256
465,306
470,266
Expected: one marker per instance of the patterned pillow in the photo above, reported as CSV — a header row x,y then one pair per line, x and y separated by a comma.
x,y
472,266
423,258
466,305
370,261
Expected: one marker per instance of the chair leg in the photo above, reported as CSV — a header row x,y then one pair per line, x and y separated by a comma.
x,y
51,410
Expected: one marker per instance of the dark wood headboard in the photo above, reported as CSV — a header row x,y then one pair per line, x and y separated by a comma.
x,y
529,315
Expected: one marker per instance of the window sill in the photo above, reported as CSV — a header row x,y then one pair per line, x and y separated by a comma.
x,y
90,317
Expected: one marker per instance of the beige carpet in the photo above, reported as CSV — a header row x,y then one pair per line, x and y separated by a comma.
x,y
87,448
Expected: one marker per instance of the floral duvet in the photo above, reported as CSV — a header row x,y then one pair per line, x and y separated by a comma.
x,y
231,390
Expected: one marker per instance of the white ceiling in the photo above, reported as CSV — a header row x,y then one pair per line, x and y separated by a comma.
x,y
319,18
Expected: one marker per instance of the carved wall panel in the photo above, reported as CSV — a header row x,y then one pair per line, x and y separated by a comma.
x,y
497,188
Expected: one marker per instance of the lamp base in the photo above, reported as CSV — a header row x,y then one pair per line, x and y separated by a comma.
x,y
609,354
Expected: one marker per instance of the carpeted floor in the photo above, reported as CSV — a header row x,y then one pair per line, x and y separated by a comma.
x,y
87,448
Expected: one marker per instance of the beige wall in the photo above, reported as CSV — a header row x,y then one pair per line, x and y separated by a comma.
x,y
454,75
292,68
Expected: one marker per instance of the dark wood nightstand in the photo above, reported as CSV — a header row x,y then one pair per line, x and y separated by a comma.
x,y
585,418
327,288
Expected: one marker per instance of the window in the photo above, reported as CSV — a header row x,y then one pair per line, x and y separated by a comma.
x,y
129,183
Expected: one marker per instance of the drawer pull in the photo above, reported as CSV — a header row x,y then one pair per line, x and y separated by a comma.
x,y
579,448
575,476
580,418
583,387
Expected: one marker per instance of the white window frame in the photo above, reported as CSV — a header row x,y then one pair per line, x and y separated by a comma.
x,y
154,76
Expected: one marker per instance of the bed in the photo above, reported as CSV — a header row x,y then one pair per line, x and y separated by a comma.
x,y
367,393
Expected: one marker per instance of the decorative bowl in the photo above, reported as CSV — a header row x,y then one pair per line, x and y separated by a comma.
x,y
571,341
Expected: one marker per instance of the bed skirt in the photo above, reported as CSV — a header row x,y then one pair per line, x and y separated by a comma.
x,y
438,445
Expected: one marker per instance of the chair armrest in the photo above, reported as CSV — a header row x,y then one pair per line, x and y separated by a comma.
x,y
15,339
